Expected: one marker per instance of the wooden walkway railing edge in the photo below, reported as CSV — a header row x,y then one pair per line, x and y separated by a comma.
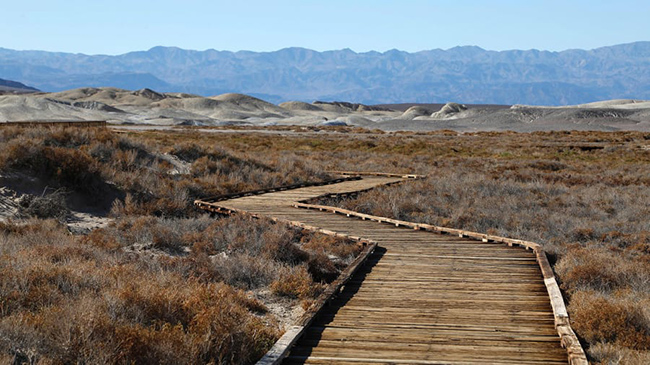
x,y
385,174
568,338
283,346
422,226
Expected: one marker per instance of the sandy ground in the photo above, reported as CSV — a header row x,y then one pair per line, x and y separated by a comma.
x,y
78,221
286,311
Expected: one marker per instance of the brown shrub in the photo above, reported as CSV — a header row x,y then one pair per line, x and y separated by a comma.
x,y
295,283
607,353
106,166
69,168
321,268
343,249
600,269
610,320
245,271
52,205
68,300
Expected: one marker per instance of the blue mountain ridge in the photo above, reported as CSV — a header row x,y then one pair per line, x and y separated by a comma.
x,y
466,74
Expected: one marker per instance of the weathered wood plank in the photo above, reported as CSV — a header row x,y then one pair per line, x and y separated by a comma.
x,y
428,294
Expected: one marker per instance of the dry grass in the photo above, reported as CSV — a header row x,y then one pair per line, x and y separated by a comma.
x,y
100,165
65,300
150,290
48,205
162,283
583,195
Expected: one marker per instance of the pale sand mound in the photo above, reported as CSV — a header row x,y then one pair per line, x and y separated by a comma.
x,y
415,111
95,105
149,94
225,107
355,120
300,106
199,104
182,95
19,108
83,93
111,96
605,104
449,110
246,102
346,108
609,103
618,104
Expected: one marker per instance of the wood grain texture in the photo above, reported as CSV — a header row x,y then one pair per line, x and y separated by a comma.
x,y
424,295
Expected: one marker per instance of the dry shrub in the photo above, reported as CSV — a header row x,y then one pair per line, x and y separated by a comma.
x,y
609,354
295,282
152,290
547,165
42,275
602,270
343,249
67,300
321,268
135,174
10,359
188,152
70,168
619,320
52,205
245,271
174,236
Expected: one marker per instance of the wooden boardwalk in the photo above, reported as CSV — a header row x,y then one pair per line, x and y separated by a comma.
x,y
420,297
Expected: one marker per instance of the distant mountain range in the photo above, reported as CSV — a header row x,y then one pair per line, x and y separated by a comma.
x,y
461,74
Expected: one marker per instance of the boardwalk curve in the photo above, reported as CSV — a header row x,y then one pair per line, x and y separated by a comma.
x,y
419,294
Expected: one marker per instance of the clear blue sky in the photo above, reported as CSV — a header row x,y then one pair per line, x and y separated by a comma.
x,y
118,26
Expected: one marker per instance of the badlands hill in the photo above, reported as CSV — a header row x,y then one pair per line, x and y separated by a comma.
x,y
149,107
467,74
14,87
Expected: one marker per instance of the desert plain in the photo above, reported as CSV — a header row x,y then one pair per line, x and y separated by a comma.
x,y
98,223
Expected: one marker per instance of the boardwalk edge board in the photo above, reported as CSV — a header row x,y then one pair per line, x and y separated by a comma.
x,y
385,174
568,337
422,226
283,346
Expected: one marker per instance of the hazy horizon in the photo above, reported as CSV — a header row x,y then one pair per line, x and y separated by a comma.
x,y
327,50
